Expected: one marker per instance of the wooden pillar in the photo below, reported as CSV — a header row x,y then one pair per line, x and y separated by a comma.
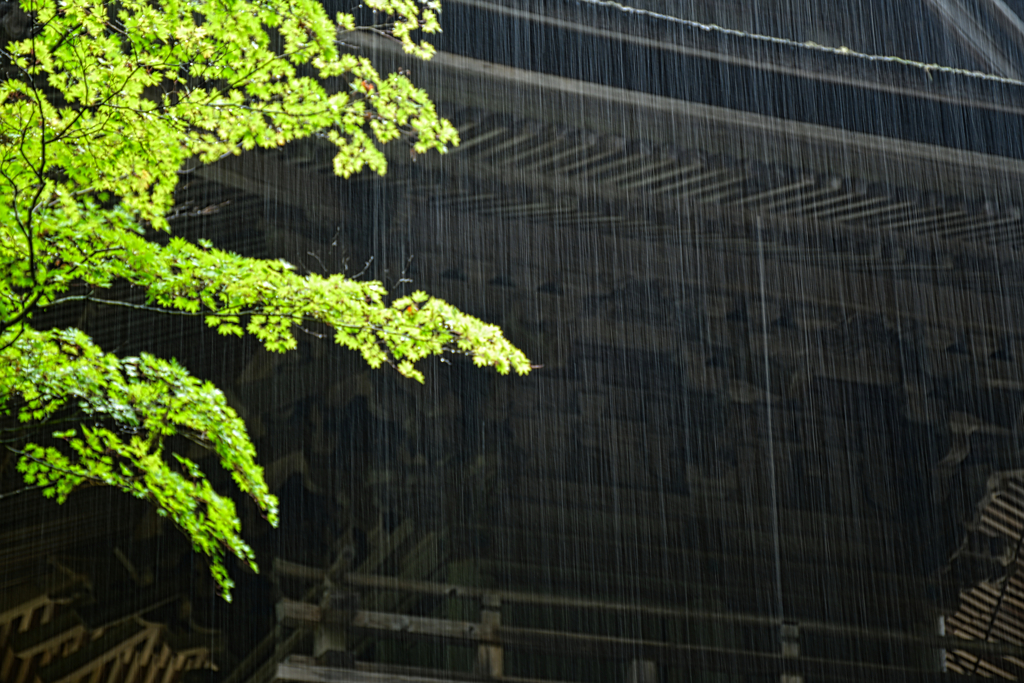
x,y
790,637
24,665
940,654
490,658
642,671
134,668
330,641
5,632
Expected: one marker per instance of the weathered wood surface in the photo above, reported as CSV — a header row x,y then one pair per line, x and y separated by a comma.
x,y
402,626
476,83
308,672
723,661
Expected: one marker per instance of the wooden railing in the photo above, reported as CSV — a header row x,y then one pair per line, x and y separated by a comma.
x,y
339,618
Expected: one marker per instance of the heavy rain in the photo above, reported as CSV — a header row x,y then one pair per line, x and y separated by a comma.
x,y
766,261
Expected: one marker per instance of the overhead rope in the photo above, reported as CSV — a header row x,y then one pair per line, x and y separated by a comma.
x,y
808,45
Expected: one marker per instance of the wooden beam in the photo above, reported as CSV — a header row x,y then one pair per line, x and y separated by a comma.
x,y
743,591
414,671
655,504
926,298
311,673
470,82
728,545
703,657
302,615
442,590
294,570
403,626
307,672
297,614
47,636
265,174
97,654
575,645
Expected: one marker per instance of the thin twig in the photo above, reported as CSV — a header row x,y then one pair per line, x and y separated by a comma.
x,y
17,491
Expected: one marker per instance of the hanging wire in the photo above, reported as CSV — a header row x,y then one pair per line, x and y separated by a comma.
x,y
808,45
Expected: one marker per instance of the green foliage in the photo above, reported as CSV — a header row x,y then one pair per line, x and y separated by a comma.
x,y
147,399
100,109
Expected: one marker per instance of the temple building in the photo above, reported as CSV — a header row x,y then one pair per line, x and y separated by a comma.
x,y
773,286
